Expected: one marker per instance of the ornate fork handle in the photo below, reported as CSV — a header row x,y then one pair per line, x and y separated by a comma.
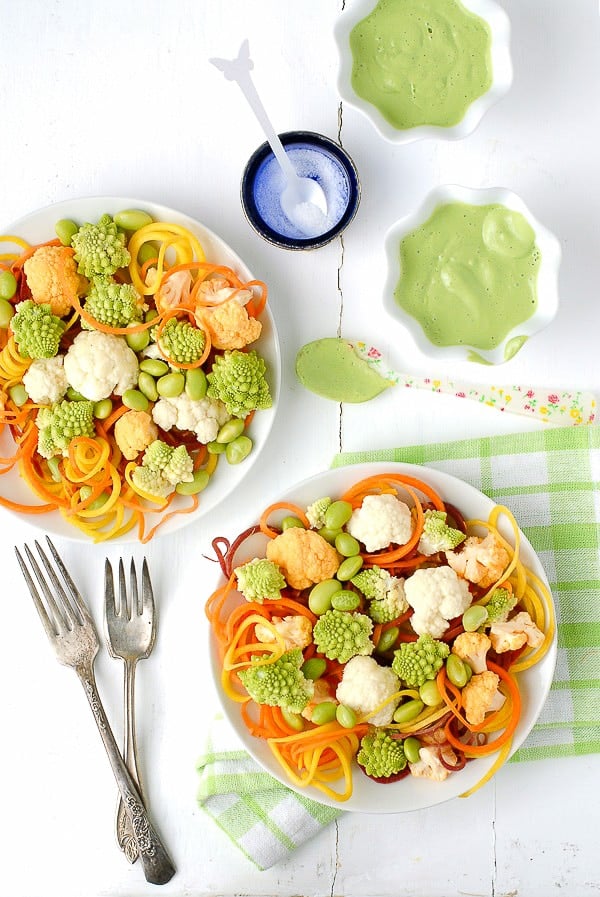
x,y
125,834
158,866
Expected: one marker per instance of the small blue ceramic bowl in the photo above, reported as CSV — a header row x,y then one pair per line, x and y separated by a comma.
x,y
312,155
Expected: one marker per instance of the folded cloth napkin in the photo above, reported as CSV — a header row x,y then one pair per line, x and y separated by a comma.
x,y
550,480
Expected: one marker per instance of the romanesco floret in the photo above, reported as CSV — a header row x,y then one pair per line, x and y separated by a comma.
x,y
316,512
279,684
380,755
500,605
416,662
181,342
260,580
60,424
171,466
151,481
238,380
437,535
112,303
386,591
100,248
36,330
340,635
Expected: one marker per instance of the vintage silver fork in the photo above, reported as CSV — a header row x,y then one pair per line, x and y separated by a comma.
x,y
131,632
73,636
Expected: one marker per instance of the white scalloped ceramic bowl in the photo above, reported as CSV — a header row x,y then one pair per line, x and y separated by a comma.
x,y
502,73
547,281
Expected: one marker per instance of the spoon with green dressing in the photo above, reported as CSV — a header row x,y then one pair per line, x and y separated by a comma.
x,y
356,372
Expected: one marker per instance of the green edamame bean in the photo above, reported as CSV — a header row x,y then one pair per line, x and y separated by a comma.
x,y
18,394
294,720
412,749
146,252
196,384
75,396
468,671
319,598
137,341
154,366
215,448
102,409
289,522
147,385
387,640
8,285
150,315
98,502
230,430
238,450
7,311
330,535
200,482
408,711
85,492
171,385
474,617
455,671
345,716
347,545
54,468
430,693
132,219
135,400
349,567
65,230
345,600
324,713
337,514
313,668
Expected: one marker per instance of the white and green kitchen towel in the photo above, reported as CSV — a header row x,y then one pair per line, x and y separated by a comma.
x,y
550,479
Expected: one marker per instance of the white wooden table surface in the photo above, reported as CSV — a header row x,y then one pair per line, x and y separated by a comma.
x,y
118,99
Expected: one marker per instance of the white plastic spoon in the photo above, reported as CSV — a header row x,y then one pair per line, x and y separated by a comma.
x,y
302,199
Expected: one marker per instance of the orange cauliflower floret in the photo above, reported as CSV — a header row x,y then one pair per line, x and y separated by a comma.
x,y
514,633
482,561
229,325
134,432
295,630
472,647
304,557
480,696
52,277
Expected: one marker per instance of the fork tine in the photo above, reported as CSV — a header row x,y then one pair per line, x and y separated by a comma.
x,y
73,590
147,592
134,597
123,610
109,590
62,612
39,604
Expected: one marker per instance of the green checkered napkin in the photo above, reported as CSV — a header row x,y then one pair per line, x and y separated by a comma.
x,y
550,480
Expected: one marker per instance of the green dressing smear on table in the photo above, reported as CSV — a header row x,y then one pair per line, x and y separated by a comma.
x,y
468,275
421,62
331,368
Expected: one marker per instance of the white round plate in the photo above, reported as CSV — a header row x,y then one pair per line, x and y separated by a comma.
x,y
410,793
38,227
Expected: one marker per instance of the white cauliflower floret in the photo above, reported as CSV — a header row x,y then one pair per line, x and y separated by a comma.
x,y
98,364
45,380
174,291
295,630
204,416
481,695
514,633
472,647
216,290
436,595
134,432
380,521
365,685
429,765
482,561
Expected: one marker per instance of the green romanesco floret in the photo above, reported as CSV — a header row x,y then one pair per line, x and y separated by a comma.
x,y
111,303
181,342
260,580
238,380
279,684
340,635
386,591
373,582
36,330
380,755
316,512
163,467
151,481
416,662
500,605
437,535
58,425
100,248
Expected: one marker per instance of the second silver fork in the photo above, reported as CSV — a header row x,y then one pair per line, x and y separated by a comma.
x,y
131,632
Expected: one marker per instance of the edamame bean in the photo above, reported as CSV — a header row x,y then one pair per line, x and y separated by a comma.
x,y
154,366
135,400
18,394
150,315
74,395
329,535
319,598
345,600
147,385
474,617
313,668
294,720
430,693
289,522
54,468
238,450
200,482
455,671
337,514
171,385
346,545
412,749
7,311
98,502
65,230
345,716
324,713
137,341
215,448
102,409
196,384
84,493
146,252
387,640
230,430
349,567
408,711
132,219
8,285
